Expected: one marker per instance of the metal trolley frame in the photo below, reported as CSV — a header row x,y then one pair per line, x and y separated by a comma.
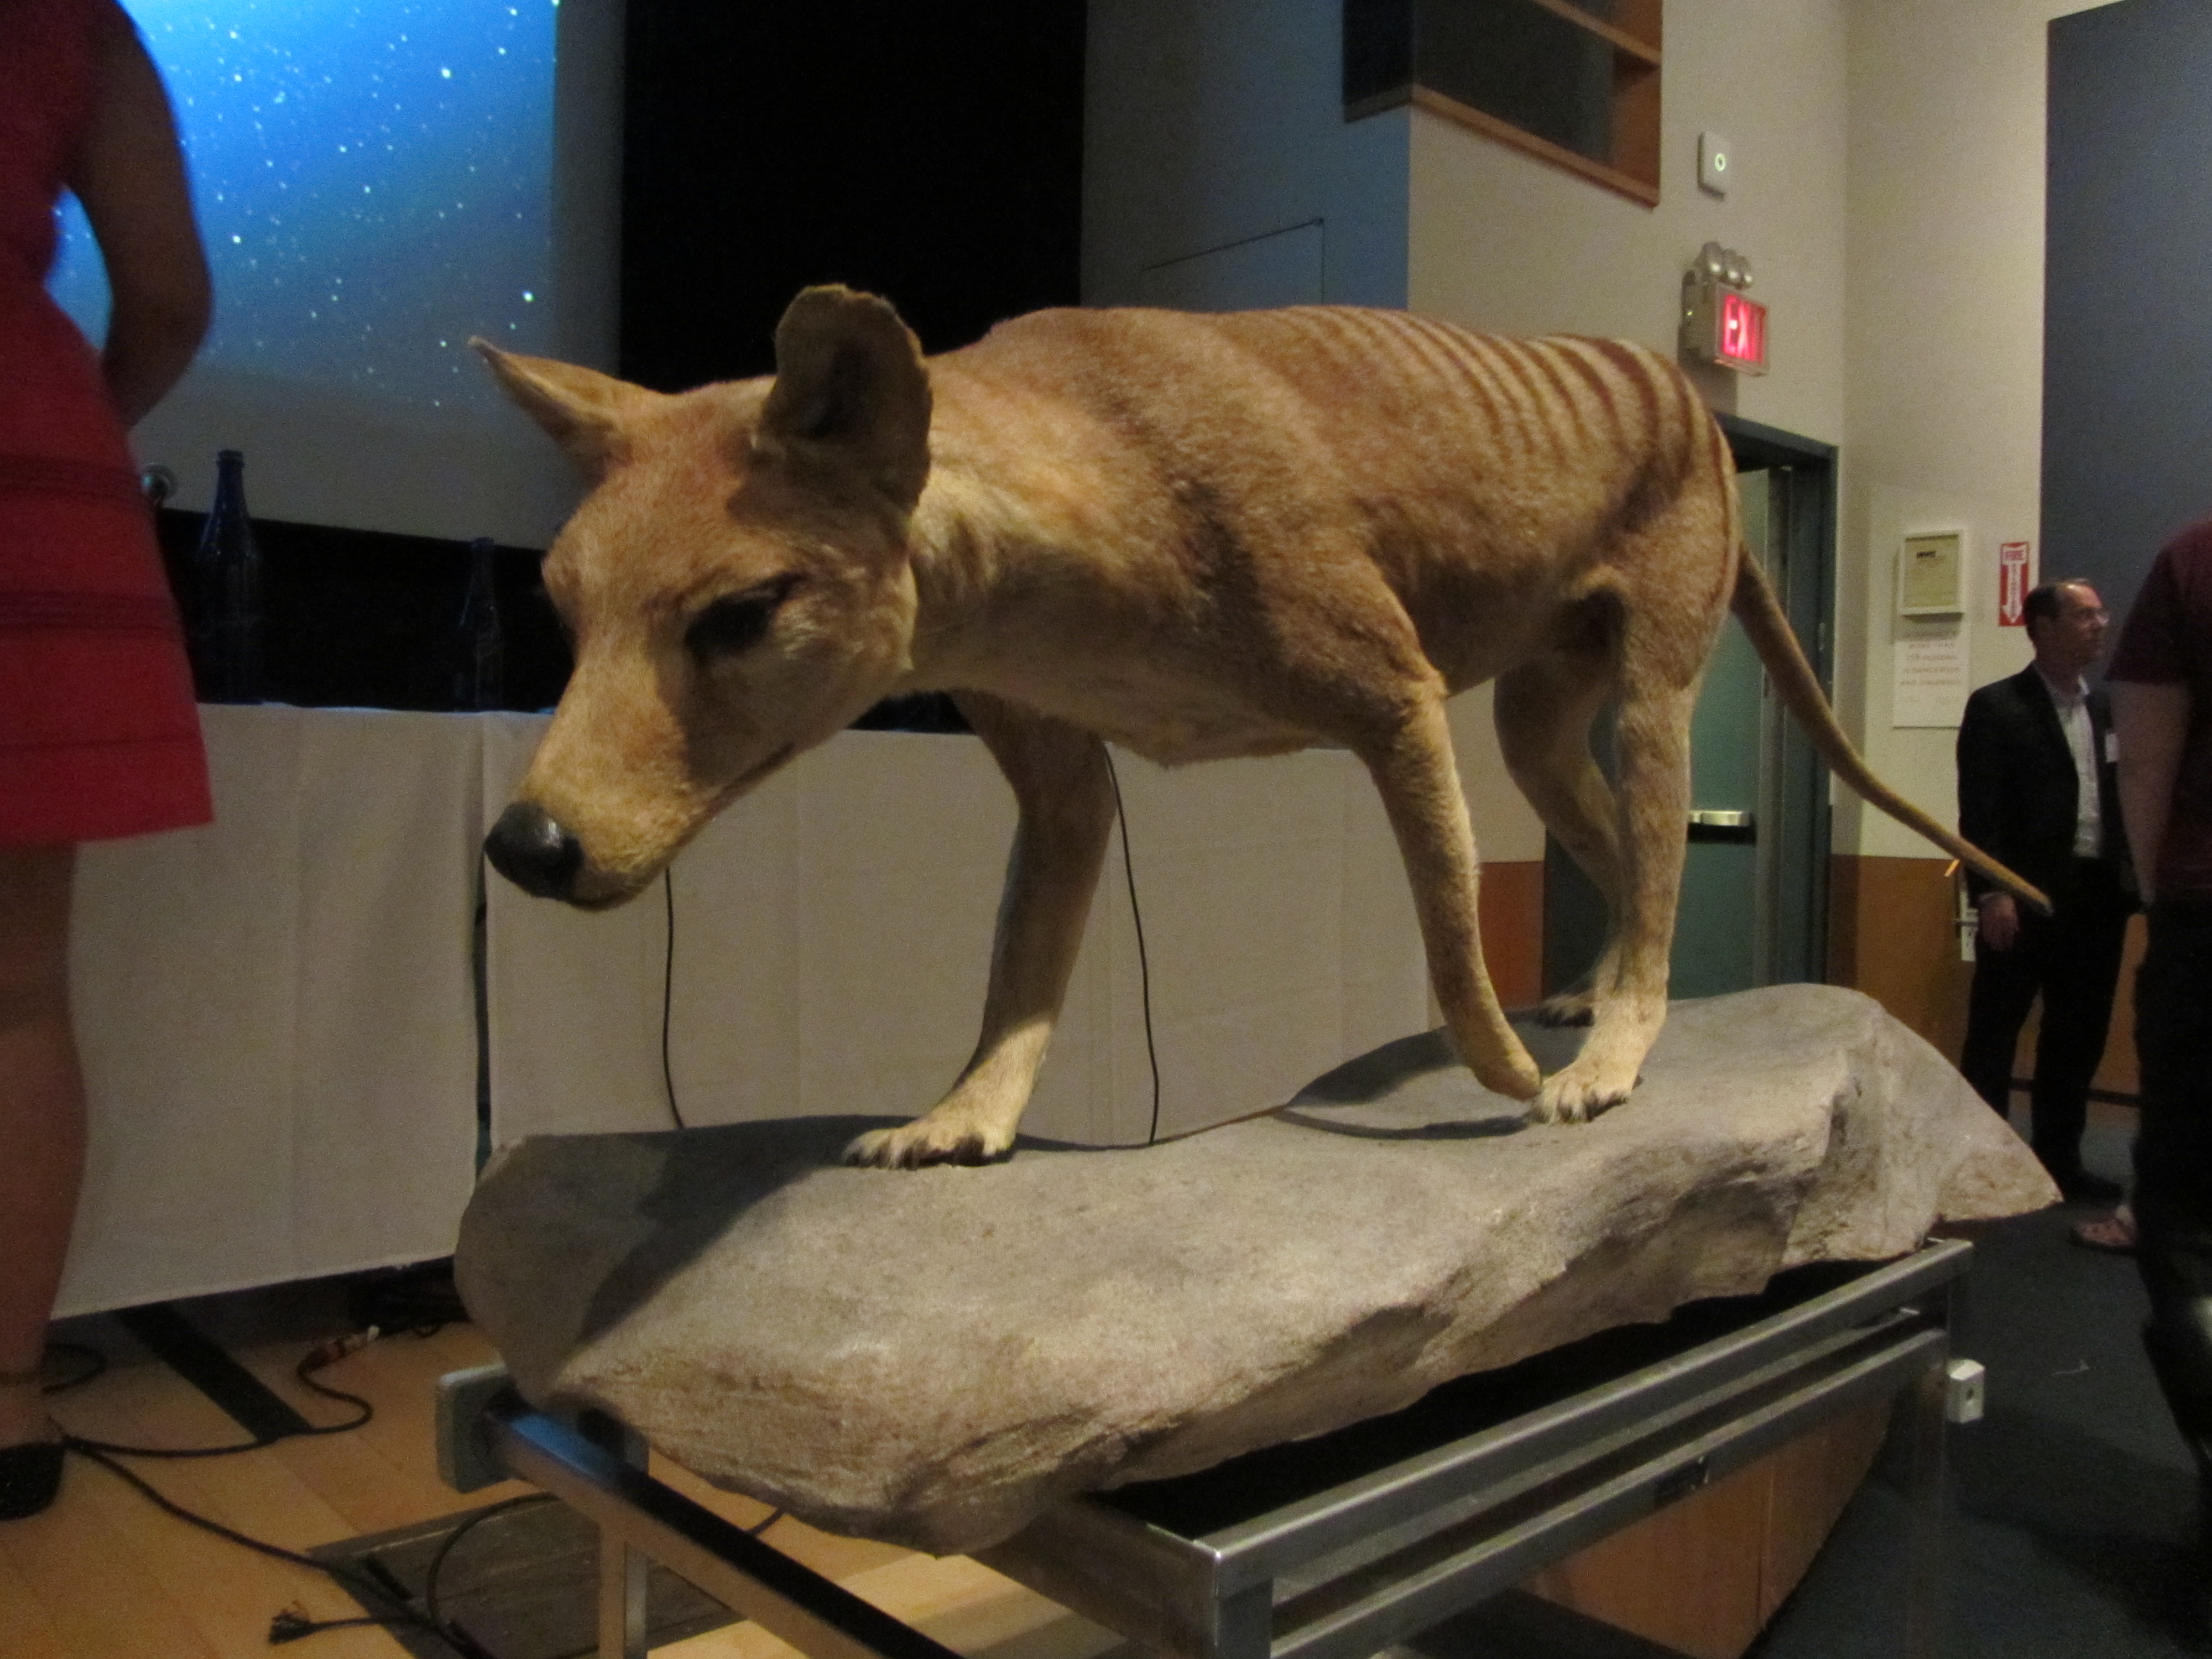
x,y
1337,1548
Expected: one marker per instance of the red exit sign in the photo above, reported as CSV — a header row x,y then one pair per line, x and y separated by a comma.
x,y
1721,323
1743,344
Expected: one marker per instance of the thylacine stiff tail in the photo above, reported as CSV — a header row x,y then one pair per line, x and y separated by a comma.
x,y
1776,642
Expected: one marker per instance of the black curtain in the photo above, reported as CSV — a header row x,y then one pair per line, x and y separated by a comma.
x,y
932,154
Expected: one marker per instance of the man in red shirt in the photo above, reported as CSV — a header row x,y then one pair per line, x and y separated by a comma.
x,y
2162,685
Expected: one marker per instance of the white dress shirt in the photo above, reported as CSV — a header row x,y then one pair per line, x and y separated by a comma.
x,y
2072,706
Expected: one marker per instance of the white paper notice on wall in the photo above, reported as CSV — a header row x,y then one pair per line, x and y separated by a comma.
x,y
1930,684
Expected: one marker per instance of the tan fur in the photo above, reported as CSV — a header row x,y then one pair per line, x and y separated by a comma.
x,y
1193,536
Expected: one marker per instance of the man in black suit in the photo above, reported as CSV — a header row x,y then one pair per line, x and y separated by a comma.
x,y
2038,791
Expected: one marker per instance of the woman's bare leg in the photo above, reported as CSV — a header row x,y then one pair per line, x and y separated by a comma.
x,y
41,1118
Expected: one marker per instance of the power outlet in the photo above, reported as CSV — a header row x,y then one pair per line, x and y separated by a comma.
x,y
465,1456
1966,1391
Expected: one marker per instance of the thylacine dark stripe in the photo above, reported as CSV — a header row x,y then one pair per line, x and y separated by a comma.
x,y
1721,465
1515,357
1691,416
1330,334
1461,351
1437,353
1466,377
1385,335
1432,359
1682,449
1545,355
1487,358
1363,326
1633,369
1650,487
1607,365
1601,388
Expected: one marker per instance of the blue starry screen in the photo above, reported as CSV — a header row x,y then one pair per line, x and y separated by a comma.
x,y
374,182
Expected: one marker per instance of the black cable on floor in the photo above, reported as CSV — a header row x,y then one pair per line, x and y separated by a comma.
x,y
311,1362
1143,964
291,1624
90,1361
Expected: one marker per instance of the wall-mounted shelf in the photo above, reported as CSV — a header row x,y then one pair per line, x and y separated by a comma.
x,y
1576,86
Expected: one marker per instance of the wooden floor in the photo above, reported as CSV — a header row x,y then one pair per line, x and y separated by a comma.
x,y
105,1575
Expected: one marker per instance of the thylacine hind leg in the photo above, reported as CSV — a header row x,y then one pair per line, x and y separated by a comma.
x,y
1667,633
1628,1009
1543,711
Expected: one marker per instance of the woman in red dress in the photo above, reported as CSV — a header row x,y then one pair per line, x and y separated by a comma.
x,y
98,737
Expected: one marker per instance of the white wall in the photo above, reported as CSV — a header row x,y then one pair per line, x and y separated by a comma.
x,y
1943,390
1507,242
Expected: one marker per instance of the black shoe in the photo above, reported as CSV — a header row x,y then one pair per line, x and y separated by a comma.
x,y
30,1475
2081,1187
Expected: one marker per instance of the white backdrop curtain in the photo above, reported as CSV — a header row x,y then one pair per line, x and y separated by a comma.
x,y
278,1015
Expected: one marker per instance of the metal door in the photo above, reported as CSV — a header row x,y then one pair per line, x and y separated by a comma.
x,y
1754,880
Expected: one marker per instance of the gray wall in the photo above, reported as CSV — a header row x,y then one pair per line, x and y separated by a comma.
x,y
1219,171
2127,402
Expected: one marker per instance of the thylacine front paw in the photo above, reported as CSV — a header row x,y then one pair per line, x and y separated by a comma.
x,y
1578,1093
925,1141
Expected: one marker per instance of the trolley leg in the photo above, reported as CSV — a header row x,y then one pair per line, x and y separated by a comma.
x,y
1927,1527
621,1570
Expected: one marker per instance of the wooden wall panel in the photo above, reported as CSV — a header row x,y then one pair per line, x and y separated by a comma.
x,y
1686,1578
1511,903
1814,1479
1890,935
1703,1576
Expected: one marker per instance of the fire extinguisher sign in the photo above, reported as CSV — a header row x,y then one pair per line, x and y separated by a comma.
x,y
2012,585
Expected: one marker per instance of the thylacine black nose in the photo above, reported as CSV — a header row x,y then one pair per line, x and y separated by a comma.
x,y
535,853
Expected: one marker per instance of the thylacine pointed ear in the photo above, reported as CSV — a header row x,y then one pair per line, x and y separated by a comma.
x,y
851,390
581,408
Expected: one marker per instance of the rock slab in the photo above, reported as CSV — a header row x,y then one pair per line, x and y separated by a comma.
x,y
932,1357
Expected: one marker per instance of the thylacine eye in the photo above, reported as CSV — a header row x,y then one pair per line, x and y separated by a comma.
x,y
737,622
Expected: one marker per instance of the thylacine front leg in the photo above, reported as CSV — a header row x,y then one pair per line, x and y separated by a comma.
x,y
1065,798
1414,772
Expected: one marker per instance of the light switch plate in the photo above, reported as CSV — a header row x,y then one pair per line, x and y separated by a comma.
x,y
1716,162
